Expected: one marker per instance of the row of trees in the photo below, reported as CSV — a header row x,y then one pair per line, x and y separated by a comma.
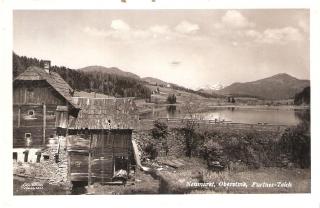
x,y
110,84
303,97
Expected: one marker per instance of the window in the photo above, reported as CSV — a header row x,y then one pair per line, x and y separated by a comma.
x,y
27,135
31,112
26,153
15,156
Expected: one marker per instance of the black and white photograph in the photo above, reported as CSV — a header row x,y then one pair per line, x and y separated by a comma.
x,y
149,102
126,102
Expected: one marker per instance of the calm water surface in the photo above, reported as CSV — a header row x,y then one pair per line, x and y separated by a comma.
x,y
234,114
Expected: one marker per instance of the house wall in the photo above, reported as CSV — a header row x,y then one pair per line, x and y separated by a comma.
x,y
36,92
42,101
109,148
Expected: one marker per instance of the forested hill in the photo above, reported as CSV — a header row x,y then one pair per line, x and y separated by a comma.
x,y
109,84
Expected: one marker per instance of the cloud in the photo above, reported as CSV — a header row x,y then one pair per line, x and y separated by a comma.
x,y
95,32
275,35
185,27
234,19
121,30
119,25
160,29
281,35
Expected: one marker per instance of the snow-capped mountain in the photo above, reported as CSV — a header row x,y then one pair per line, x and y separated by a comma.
x,y
213,87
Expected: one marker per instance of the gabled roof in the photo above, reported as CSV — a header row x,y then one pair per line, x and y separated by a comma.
x,y
53,78
105,113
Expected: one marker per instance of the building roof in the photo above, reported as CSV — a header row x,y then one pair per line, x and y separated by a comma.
x,y
53,78
105,113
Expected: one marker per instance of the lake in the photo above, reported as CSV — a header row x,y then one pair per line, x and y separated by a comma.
x,y
251,115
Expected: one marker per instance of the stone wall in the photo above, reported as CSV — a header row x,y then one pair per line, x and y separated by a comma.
x,y
175,141
53,166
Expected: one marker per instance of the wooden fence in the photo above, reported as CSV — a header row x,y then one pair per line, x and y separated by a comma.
x,y
146,124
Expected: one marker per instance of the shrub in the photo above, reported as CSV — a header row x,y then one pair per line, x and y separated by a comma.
x,y
151,150
295,143
160,130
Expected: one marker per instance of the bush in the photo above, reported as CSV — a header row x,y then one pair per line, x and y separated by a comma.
x,y
295,143
160,130
213,151
151,151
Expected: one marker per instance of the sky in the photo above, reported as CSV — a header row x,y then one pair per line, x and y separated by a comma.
x,y
192,48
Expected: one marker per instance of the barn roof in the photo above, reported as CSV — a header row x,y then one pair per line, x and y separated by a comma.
x,y
53,78
105,113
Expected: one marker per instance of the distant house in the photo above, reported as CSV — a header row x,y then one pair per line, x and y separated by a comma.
x,y
103,132
42,102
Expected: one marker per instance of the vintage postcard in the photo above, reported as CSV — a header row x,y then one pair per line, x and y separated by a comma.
x,y
196,104
161,101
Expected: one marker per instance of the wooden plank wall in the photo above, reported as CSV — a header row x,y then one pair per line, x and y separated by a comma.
x,y
36,92
106,146
33,124
40,97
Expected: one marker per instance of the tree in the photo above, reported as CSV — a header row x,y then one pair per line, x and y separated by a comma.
x,y
191,123
171,99
111,84
303,97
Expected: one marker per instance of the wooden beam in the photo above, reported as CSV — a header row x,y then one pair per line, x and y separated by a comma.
x,y
44,124
89,162
25,95
19,116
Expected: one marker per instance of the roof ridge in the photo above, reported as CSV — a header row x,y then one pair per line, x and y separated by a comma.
x,y
53,79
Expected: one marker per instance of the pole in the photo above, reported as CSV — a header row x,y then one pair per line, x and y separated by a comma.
x,y
44,124
89,163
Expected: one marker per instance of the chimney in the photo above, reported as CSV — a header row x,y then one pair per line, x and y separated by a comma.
x,y
47,66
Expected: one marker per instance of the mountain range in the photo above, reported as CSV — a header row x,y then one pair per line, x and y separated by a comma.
x,y
116,82
279,86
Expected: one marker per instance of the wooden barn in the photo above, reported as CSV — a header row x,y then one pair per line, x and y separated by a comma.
x,y
99,141
42,103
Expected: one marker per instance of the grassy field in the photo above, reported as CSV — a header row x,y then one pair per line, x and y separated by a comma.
x,y
185,180
254,181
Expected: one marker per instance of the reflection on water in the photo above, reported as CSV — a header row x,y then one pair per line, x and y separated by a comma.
x,y
171,109
237,115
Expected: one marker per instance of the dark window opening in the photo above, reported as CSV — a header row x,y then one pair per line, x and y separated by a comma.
x,y
27,135
120,163
15,156
38,156
26,153
46,157
31,112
